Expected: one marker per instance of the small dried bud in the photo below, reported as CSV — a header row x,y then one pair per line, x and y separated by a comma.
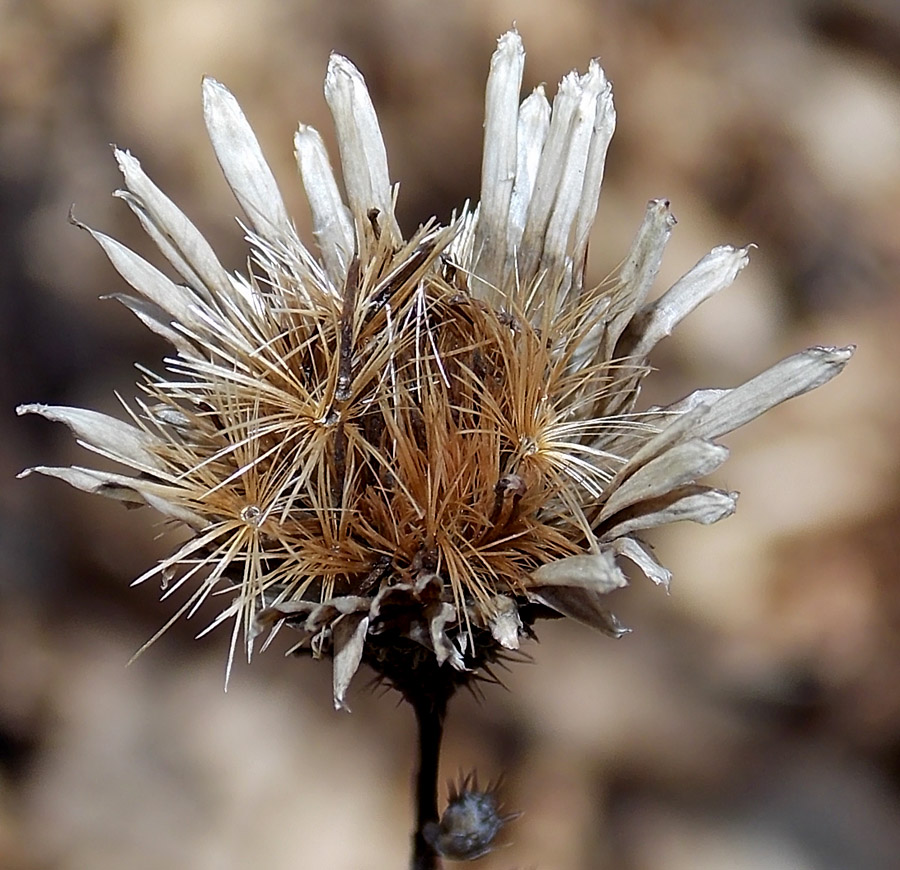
x,y
470,822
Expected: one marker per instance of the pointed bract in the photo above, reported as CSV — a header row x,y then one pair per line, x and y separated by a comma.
x,y
243,164
498,168
363,155
332,223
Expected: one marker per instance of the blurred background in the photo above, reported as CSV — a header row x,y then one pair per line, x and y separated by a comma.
x,y
752,720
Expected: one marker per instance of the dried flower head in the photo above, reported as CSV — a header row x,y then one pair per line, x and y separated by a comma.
x,y
410,448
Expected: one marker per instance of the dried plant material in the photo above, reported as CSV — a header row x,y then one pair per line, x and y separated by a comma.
x,y
409,449
469,826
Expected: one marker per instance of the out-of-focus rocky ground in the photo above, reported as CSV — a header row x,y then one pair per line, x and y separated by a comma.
x,y
752,720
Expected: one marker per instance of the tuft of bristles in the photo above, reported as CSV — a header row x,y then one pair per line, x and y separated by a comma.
x,y
451,448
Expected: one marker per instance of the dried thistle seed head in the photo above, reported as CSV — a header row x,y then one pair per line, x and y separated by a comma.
x,y
469,825
410,448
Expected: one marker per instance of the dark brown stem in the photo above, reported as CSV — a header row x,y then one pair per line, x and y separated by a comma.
x,y
345,351
430,711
